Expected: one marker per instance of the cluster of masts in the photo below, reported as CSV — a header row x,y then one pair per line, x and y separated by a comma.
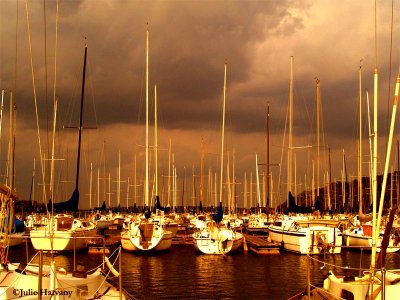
x,y
256,193
219,188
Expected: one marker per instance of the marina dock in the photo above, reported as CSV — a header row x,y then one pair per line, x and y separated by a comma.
x,y
260,245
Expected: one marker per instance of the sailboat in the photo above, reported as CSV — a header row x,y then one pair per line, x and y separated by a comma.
x,y
373,284
215,237
146,234
360,236
33,281
11,228
301,235
258,223
378,282
64,232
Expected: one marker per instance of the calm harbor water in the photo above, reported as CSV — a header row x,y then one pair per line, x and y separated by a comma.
x,y
183,273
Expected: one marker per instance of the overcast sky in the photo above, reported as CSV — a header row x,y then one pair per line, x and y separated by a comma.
x,y
189,43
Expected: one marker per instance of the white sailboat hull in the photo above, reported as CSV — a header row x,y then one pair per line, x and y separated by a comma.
x,y
352,239
155,238
61,240
312,240
217,241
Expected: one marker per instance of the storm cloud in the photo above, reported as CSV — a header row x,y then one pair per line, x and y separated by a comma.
x,y
189,42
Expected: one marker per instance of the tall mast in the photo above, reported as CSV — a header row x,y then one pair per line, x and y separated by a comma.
x,y
193,187
98,187
374,157
223,136
258,187
183,188
169,173
109,189
80,120
290,154
32,193
90,185
360,144
245,191
10,145
251,190
146,189
228,184
127,194
155,140
52,153
233,182
313,182
267,161
387,162
135,182
374,166
119,180
343,182
318,137
1,112
104,171
201,171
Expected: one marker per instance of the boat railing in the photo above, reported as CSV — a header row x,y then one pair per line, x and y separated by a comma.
x,y
23,268
99,239
362,248
347,271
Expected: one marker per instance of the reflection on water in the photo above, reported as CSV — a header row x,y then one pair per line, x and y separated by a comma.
x,y
182,273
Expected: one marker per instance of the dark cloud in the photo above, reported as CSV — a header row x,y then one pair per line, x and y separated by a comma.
x,y
189,43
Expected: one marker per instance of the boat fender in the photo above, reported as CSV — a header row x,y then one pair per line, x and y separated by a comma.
x,y
111,267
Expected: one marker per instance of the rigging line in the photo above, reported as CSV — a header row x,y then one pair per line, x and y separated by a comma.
x,y
96,126
281,160
307,118
35,99
93,97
